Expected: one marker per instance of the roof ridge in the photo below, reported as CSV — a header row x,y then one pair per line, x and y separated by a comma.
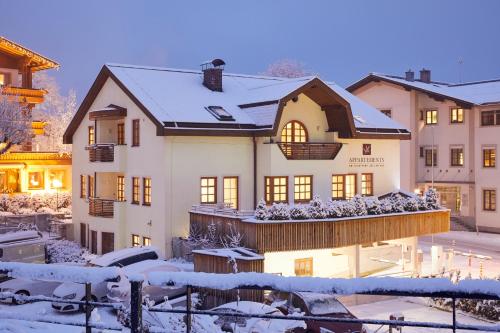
x,y
416,80
474,82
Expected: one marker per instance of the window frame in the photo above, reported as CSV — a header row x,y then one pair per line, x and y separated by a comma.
x,y
495,114
434,152
456,121
489,148
83,186
342,176
134,242
147,196
272,192
136,189
492,207
237,206
120,188
309,261
293,124
144,241
370,183
91,186
355,185
208,202
452,161
136,132
295,185
120,134
426,117
91,135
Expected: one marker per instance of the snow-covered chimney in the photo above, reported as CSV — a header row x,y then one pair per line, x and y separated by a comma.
x,y
425,75
410,75
212,74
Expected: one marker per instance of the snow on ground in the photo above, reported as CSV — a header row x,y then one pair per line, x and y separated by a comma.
x,y
413,309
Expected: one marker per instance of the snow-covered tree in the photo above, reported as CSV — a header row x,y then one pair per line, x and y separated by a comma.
x,y
359,205
233,238
373,206
15,124
398,203
386,205
431,198
299,212
334,208
348,209
279,211
287,68
411,204
56,110
261,211
317,209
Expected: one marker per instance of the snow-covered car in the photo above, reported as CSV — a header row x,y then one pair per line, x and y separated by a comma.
x,y
234,324
120,258
325,305
28,287
120,291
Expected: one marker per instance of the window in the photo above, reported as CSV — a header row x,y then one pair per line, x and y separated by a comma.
x,y
276,189
231,191
120,130
35,180
220,113
302,188
489,157
56,179
489,200
146,241
456,115
431,117
136,240
457,156
91,135
107,242
135,133
367,184
304,267
489,118
3,80
146,191
135,190
120,190
294,131
387,112
421,151
91,193
208,190
338,187
93,241
83,186
350,186
430,157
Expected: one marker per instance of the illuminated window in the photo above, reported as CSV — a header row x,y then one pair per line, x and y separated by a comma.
x,y
304,267
208,190
3,81
457,156
146,191
302,188
91,187
489,157
146,241
293,131
367,184
431,117
135,190
490,200
91,135
121,133
456,115
231,191
56,179
430,157
120,188
338,187
220,113
135,132
136,240
35,180
83,186
350,186
276,189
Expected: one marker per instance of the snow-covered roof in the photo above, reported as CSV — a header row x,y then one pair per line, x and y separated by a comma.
x,y
478,93
19,236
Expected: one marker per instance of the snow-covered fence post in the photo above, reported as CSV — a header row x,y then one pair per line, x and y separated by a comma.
x,y
88,308
135,306
188,309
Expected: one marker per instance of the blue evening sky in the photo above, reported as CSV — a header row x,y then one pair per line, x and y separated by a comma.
x,y
340,40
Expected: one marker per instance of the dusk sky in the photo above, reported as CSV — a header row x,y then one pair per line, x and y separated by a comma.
x,y
339,40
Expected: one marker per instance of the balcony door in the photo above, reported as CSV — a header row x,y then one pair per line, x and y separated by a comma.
x,y
108,242
93,241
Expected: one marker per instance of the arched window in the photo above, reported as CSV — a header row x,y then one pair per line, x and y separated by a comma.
x,y
294,131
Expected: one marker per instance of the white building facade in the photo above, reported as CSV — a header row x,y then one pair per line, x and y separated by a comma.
x,y
149,143
456,121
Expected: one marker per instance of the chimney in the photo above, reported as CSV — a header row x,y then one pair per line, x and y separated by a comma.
x,y
425,75
212,74
410,75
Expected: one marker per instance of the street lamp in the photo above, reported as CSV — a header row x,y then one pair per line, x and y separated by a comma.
x,y
57,184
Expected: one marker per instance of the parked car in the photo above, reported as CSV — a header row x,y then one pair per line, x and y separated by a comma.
x,y
324,305
22,246
120,258
120,291
28,287
234,324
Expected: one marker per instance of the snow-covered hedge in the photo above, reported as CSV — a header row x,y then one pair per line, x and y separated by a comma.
x,y
59,251
357,206
21,204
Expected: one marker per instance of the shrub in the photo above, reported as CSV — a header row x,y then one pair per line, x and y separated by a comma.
x,y
299,212
411,204
317,209
373,206
431,199
261,212
279,211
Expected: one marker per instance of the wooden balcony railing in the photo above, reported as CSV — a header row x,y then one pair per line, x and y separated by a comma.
x,y
101,152
310,150
24,95
101,207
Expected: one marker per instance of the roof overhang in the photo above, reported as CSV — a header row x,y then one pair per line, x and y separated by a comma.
x,y
111,112
37,61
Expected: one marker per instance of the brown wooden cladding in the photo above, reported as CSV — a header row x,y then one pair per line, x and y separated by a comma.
x,y
274,236
101,153
101,207
217,264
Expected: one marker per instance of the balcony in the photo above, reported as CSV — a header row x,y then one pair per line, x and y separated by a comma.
x,y
310,150
101,207
102,152
24,95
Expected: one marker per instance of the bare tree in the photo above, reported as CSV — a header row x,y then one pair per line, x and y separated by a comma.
x,y
287,68
15,123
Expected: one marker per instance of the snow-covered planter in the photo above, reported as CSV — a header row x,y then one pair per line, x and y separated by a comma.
x,y
279,211
299,212
317,209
